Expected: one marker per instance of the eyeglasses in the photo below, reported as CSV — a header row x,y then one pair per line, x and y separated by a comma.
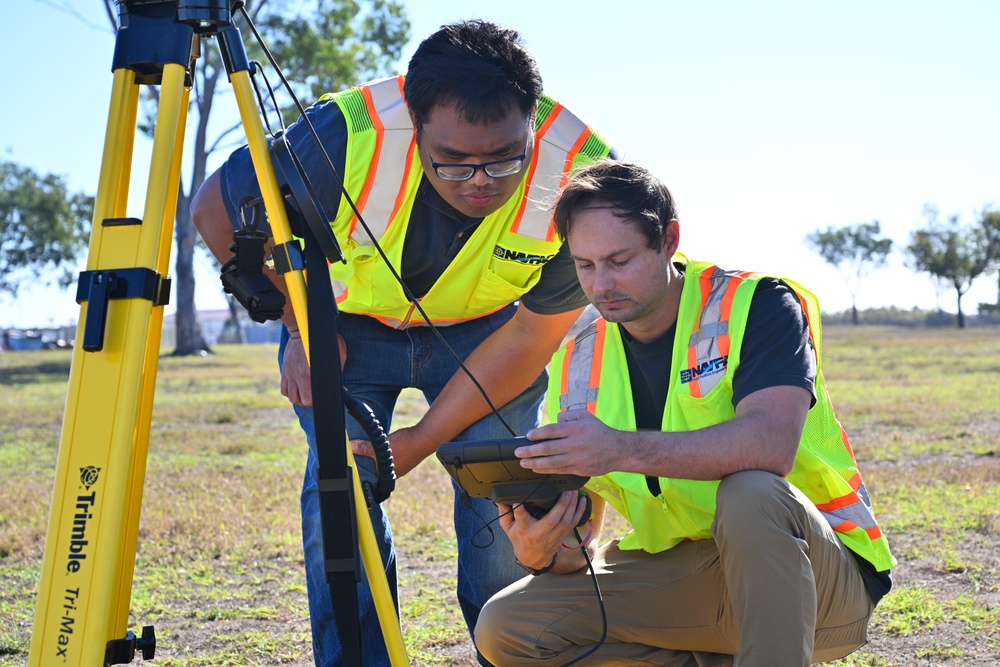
x,y
495,169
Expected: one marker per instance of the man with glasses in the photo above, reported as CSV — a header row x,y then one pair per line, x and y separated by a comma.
x,y
453,168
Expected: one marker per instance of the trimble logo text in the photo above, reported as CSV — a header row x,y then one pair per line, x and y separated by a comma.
x,y
78,537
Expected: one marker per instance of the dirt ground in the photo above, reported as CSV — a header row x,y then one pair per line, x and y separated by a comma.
x,y
938,646
948,643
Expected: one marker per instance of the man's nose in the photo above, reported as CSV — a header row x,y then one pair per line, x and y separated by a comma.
x,y
603,280
480,177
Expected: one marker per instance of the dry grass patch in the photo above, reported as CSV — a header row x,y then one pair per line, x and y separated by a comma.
x,y
219,566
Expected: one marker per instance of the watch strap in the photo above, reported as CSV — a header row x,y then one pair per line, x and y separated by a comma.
x,y
532,571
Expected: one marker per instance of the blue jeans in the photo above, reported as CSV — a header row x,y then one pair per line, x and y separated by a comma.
x,y
382,361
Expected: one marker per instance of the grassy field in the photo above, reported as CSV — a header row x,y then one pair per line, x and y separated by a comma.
x,y
219,569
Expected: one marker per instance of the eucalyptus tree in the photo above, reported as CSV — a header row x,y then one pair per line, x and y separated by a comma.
x,y
321,46
855,251
951,253
43,227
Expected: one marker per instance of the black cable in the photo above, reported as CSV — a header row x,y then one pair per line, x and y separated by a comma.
x,y
600,603
593,578
333,171
415,302
255,68
487,526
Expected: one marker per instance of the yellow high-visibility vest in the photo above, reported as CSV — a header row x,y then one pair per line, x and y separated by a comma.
x,y
504,257
592,372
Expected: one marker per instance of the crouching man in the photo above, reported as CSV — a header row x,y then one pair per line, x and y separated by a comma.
x,y
697,406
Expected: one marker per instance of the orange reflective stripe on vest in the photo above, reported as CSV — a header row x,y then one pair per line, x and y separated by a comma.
x,y
385,184
708,347
712,318
852,511
558,141
582,374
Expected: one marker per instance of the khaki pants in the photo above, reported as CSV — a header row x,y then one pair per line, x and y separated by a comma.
x,y
775,588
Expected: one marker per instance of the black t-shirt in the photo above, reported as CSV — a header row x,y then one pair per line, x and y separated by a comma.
x,y
776,351
435,234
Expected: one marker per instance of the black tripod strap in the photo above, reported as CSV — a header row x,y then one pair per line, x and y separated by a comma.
x,y
336,481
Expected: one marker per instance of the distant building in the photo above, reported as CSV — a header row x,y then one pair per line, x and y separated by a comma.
x,y
18,340
217,327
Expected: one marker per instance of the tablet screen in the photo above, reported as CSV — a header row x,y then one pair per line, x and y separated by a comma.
x,y
489,469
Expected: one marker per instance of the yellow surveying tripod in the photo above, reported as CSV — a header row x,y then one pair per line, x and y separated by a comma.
x,y
84,594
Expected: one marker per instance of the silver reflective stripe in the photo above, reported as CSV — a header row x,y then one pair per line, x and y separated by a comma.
x,y
581,359
552,149
706,339
392,164
389,103
577,398
377,209
859,513
709,330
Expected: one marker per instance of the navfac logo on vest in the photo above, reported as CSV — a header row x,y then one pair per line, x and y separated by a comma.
x,y
717,365
520,257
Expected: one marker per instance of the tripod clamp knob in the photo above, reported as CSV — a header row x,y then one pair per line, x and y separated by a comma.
x,y
122,651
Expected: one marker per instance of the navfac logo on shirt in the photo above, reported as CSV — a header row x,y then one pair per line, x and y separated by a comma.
x,y
717,365
521,257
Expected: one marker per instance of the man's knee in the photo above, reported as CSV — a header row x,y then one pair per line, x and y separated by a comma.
x,y
749,496
488,633
749,485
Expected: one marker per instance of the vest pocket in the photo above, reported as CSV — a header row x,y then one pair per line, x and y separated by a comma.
x,y
695,412
496,290
357,273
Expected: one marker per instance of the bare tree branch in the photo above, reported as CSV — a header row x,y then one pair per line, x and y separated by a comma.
x,y
66,8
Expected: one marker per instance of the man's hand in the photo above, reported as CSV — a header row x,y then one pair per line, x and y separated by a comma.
x,y
506,364
295,378
405,454
407,449
536,541
363,448
764,435
578,443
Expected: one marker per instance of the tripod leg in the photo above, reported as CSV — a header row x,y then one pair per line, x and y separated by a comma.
x,y
270,190
372,559
86,578
273,202
84,591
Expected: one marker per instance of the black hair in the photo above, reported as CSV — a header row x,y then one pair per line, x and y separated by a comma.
x,y
633,193
481,69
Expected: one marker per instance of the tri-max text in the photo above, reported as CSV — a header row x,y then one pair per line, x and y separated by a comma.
x,y
67,621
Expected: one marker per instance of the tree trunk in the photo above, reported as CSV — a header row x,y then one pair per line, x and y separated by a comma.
x,y
189,336
854,313
234,317
961,317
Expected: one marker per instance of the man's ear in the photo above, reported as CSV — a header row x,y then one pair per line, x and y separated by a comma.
x,y
671,237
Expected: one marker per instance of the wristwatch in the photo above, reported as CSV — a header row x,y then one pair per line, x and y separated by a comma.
x,y
532,571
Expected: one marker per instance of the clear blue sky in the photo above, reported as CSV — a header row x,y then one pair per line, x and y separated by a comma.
x,y
767,120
